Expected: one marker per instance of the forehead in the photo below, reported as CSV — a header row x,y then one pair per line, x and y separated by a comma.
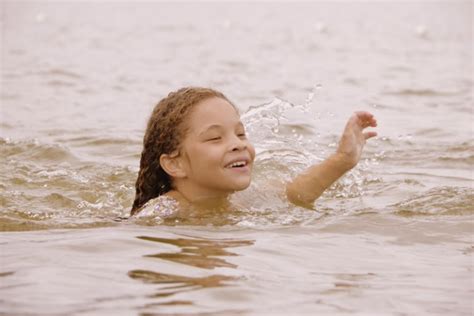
x,y
212,111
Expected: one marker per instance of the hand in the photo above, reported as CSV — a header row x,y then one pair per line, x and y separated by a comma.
x,y
353,138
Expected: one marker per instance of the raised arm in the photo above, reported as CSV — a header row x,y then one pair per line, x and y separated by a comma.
x,y
306,187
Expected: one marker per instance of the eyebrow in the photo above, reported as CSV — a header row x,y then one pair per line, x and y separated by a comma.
x,y
217,126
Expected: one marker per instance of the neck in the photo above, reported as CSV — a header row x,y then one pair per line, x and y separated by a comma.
x,y
200,200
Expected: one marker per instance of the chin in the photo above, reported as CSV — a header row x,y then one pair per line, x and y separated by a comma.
x,y
236,182
242,185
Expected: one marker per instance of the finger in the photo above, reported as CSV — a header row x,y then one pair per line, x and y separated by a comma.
x,y
365,119
371,123
364,115
371,134
367,123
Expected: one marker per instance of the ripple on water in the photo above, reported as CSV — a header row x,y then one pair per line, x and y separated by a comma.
x,y
46,186
440,154
438,201
202,253
422,92
60,73
33,150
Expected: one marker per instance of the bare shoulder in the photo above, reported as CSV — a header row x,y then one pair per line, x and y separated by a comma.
x,y
163,206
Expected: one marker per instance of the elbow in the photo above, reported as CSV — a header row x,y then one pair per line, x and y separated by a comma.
x,y
297,197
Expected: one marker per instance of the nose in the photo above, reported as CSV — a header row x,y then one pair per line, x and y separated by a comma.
x,y
238,144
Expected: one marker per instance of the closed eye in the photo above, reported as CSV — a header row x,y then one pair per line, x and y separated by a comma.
x,y
213,139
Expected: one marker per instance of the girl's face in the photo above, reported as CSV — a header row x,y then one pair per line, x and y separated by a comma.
x,y
216,154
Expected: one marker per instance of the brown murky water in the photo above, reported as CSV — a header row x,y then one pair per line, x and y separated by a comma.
x,y
393,237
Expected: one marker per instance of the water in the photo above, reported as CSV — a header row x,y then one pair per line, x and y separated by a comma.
x,y
393,237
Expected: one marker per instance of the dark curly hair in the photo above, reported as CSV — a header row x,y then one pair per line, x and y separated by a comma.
x,y
164,133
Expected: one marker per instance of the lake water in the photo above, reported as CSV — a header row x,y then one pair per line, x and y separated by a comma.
x,y
392,237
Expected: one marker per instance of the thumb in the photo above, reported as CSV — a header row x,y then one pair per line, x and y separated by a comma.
x,y
368,135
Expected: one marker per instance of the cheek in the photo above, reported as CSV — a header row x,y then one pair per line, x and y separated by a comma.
x,y
207,156
252,151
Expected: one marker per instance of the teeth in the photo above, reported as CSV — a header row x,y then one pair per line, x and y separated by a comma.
x,y
237,164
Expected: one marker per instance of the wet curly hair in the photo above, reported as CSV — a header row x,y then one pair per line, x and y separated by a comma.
x,y
164,133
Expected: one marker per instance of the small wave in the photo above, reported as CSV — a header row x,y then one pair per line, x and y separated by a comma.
x,y
123,149
59,201
92,137
60,83
468,160
464,146
64,73
173,28
5,125
422,92
402,69
10,96
88,141
33,150
354,81
58,72
445,156
438,201
432,132
38,195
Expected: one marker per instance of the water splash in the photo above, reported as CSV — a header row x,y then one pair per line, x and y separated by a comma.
x,y
310,97
287,143
281,124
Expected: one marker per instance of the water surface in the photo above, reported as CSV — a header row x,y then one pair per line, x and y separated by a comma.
x,y
393,237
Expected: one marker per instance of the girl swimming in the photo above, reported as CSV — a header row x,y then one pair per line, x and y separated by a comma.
x,y
196,152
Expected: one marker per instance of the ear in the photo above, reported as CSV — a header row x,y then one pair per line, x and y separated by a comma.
x,y
172,165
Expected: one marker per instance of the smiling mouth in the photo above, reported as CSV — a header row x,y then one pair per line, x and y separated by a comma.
x,y
237,164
